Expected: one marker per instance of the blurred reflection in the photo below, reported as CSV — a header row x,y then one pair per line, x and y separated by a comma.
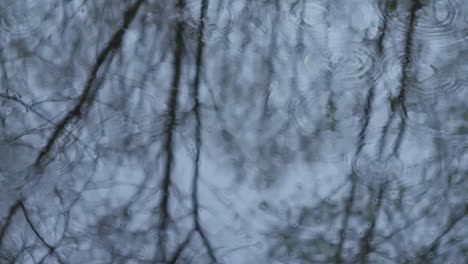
x,y
215,131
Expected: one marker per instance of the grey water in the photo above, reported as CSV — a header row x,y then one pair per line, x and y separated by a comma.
x,y
242,131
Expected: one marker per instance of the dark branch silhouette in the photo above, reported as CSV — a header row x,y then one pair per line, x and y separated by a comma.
x,y
6,225
453,220
198,136
366,246
89,91
399,103
170,125
50,248
175,257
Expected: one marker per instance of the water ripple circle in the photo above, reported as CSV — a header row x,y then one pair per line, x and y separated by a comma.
x,y
442,21
22,18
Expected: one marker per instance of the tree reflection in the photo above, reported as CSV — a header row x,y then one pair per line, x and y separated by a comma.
x,y
196,131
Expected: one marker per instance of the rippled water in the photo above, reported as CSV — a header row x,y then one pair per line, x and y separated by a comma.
x,y
298,131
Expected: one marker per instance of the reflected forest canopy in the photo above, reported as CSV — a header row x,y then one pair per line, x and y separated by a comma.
x,y
234,131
